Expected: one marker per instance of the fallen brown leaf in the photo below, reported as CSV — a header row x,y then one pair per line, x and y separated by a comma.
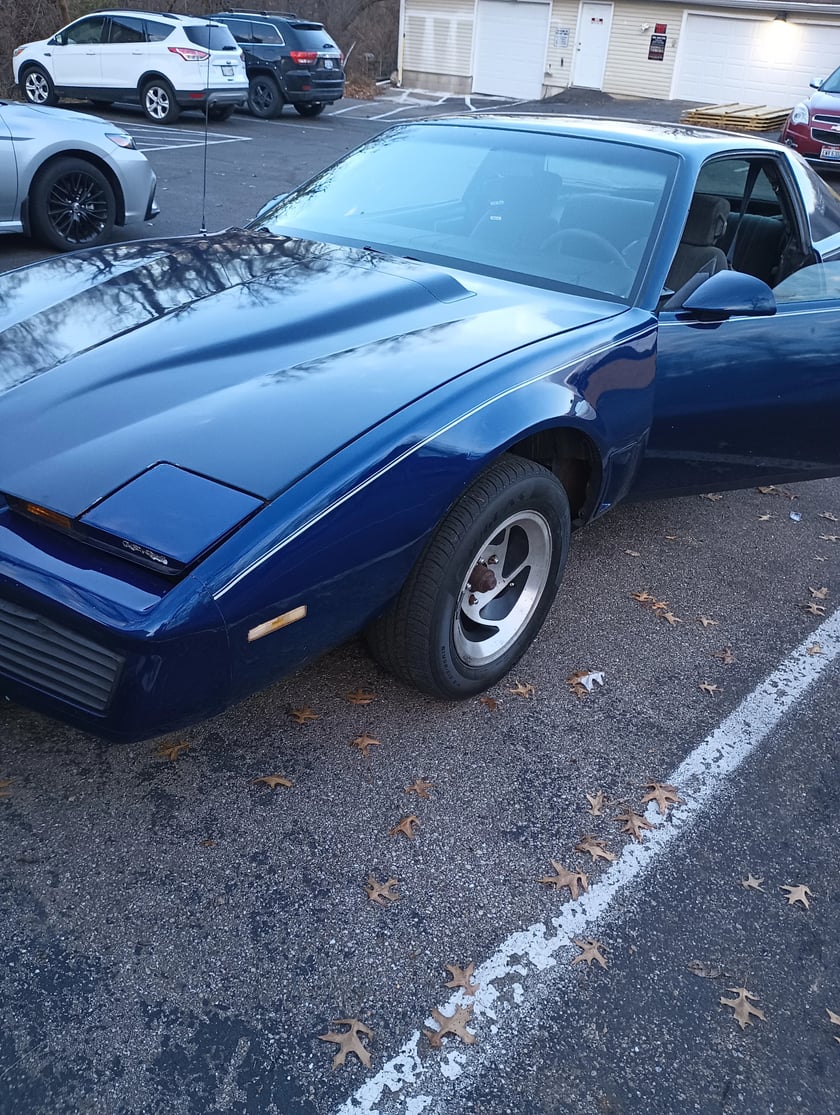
x,y
420,788
275,780
712,496
704,970
814,648
835,1018
707,622
743,1009
574,880
462,977
818,593
523,689
5,792
382,893
349,1041
456,1025
799,893
632,553
364,742
633,824
591,951
709,688
671,618
490,703
764,518
832,518
726,656
751,883
830,537
597,801
643,597
664,795
360,697
596,848
172,750
584,681
303,715
814,609
406,827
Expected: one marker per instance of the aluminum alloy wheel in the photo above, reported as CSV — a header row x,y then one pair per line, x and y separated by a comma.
x,y
518,554
77,207
157,102
37,88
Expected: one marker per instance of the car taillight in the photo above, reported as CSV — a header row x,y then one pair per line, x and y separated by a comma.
x,y
304,57
188,53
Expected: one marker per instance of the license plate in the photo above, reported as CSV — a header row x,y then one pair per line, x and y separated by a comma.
x,y
328,63
830,153
227,71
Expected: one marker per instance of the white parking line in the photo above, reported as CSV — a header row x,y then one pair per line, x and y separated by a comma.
x,y
527,954
157,137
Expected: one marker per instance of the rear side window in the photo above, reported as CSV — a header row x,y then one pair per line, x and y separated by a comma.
x,y
211,36
311,36
266,33
156,31
240,29
124,29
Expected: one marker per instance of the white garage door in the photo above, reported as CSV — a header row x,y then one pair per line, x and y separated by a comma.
x,y
510,46
767,61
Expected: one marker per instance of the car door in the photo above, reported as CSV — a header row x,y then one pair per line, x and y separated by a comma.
x,y
751,399
8,174
124,52
76,54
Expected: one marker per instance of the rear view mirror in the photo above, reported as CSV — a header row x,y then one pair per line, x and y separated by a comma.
x,y
817,83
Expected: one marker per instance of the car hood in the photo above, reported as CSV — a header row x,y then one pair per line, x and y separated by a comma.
x,y
242,357
825,102
19,116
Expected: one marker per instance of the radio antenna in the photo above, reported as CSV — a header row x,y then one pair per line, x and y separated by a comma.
x,y
203,229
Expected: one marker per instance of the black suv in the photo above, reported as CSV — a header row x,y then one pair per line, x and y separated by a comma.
x,y
289,61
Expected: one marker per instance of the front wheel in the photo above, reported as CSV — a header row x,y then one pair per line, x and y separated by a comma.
x,y
314,108
38,87
72,205
157,99
481,590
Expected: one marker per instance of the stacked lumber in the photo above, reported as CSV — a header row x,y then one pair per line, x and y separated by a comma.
x,y
738,117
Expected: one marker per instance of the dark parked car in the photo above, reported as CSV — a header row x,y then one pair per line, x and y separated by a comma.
x,y
386,404
289,61
813,127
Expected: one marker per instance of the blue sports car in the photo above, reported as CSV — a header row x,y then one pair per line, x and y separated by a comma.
x,y
386,404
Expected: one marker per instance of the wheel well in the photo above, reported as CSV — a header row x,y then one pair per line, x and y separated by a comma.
x,y
153,76
264,71
574,460
87,157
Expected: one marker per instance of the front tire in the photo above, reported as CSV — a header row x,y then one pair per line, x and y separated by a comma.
x,y
481,590
264,97
314,108
72,205
157,99
37,86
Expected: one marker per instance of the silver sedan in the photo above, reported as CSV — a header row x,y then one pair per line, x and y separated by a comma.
x,y
67,179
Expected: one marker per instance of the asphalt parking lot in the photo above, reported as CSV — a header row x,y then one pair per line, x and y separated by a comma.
x,y
176,936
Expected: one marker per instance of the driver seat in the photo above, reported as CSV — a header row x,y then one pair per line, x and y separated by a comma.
x,y
698,250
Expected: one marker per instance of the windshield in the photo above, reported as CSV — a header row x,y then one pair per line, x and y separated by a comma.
x,y
832,83
550,209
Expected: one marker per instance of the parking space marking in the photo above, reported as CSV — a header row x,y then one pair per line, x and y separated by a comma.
x,y
532,951
159,137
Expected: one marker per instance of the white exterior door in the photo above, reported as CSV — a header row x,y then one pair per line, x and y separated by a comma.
x,y
752,61
593,39
511,37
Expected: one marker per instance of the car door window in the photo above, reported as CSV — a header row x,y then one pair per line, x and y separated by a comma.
x,y
819,282
241,29
125,29
266,33
86,31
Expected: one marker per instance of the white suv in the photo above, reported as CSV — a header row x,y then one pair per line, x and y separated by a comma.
x,y
166,62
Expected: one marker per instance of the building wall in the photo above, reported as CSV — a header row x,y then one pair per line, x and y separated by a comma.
x,y
437,50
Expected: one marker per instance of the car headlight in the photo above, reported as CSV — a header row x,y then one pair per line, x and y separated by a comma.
x,y
122,139
18,50
800,114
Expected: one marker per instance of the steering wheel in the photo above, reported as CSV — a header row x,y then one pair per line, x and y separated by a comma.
x,y
584,244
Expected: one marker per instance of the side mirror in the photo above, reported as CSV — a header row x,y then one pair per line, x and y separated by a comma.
x,y
730,294
269,205
817,83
